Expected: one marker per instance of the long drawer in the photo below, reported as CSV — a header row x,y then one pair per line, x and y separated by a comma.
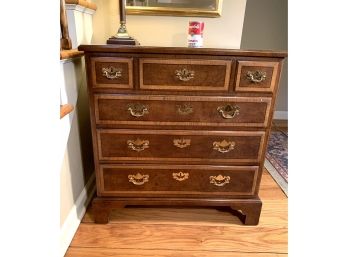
x,y
182,110
185,74
160,180
179,145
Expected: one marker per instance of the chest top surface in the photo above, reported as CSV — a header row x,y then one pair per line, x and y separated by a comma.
x,y
180,50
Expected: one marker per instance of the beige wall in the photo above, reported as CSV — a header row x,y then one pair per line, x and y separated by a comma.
x,y
266,27
223,32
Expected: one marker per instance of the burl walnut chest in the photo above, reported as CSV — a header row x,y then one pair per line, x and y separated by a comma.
x,y
180,126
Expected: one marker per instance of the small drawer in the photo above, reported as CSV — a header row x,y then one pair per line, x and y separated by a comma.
x,y
160,180
180,145
112,72
184,74
256,76
182,110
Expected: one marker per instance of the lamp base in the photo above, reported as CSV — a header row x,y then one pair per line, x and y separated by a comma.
x,y
122,41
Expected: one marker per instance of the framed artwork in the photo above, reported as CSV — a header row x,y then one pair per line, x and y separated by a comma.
x,y
200,8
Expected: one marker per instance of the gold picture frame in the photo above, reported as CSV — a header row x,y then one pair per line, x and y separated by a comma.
x,y
194,8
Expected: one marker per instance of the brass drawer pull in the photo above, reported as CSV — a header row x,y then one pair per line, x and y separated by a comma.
x,y
138,110
228,111
180,176
112,72
138,179
185,74
256,76
219,180
224,146
182,143
184,109
138,145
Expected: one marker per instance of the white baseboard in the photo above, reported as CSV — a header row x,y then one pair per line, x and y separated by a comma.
x,y
75,216
280,115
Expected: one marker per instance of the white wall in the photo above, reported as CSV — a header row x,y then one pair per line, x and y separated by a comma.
x,y
74,174
266,27
223,32
77,169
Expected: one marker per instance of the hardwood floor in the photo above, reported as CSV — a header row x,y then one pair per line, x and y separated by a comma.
x,y
196,232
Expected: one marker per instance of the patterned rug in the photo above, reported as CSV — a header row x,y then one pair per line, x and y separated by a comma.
x,y
277,158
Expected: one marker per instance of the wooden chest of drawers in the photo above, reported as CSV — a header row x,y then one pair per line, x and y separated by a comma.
x,y
180,126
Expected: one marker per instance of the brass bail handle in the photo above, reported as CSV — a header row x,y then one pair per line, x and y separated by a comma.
x,y
224,146
182,142
138,109
185,74
184,109
256,76
138,145
219,180
180,176
111,72
138,179
228,111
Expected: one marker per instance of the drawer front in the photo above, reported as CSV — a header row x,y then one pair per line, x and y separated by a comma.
x,y
180,146
182,111
112,72
184,74
136,180
256,76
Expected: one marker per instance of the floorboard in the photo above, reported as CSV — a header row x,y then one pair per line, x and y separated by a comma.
x,y
105,252
186,237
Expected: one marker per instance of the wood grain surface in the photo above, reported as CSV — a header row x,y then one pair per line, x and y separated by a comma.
x,y
123,65
83,3
244,84
104,252
65,41
160,74
72,53
113,146
160,181
187,231
172,237
273,212
170,110
181,50
65,109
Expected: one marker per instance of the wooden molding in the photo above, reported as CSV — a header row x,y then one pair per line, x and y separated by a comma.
x,y
65,41
83,3
181,50
65,109
72,53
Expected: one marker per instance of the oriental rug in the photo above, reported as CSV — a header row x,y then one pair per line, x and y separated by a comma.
x,y
277,158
